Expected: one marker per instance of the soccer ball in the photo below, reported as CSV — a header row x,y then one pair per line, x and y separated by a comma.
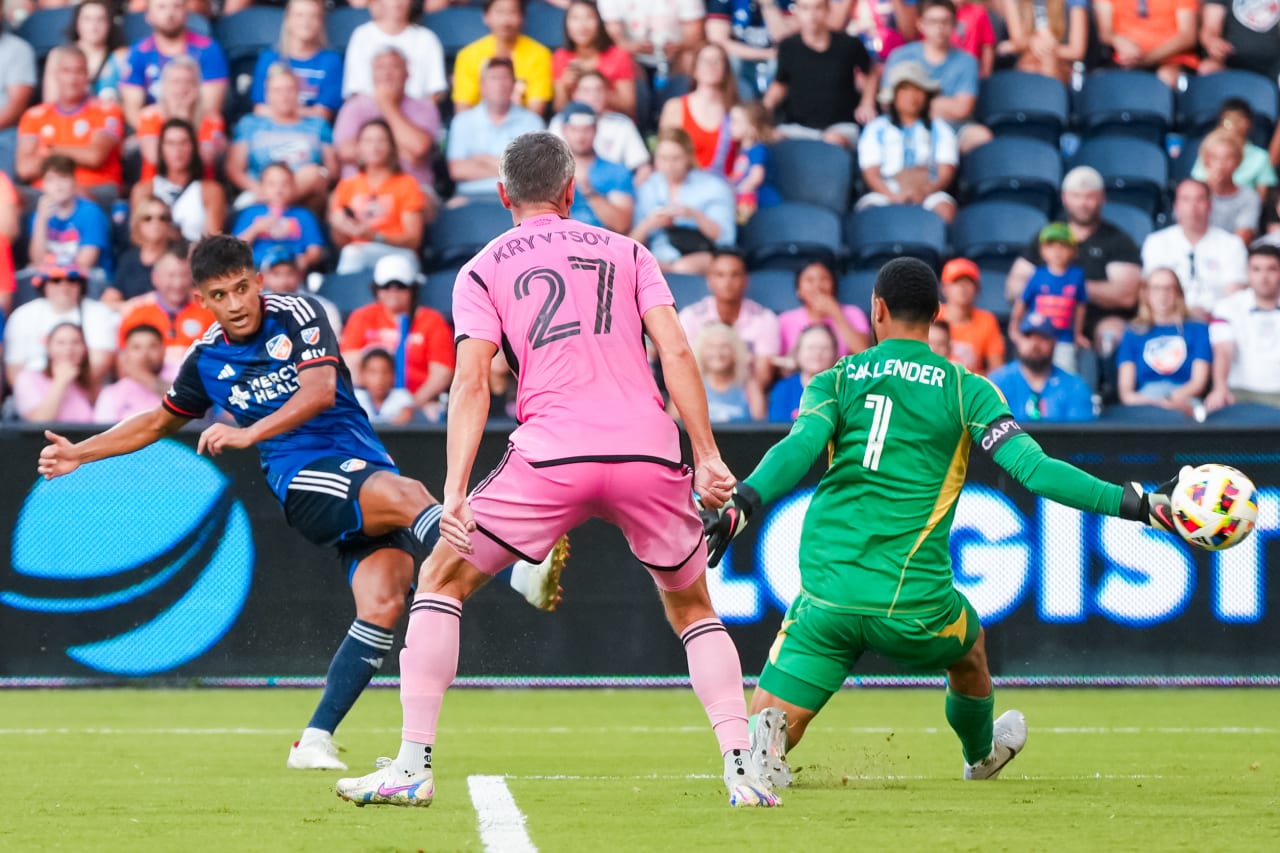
x,y
1214,506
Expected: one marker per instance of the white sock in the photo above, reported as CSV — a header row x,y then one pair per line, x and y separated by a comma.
x,y
313,734
414,757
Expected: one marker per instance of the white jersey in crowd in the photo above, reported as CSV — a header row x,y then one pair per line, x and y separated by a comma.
x,y
1208,271
1237,319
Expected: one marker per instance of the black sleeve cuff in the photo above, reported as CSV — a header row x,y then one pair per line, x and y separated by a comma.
x,y
1133,503
748,497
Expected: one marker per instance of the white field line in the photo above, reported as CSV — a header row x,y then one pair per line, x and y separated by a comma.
x,y
854,777
502,824
580,730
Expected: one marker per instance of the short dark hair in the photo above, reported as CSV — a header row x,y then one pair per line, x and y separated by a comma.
x,y
375,353
816,262
719,252
945,4
59,164
488,4
219,256
1235,105
1267,250
909,289
144,328
179,249
499,62
276,164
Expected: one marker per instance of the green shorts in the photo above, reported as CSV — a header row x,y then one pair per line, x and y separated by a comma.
x,y
816,647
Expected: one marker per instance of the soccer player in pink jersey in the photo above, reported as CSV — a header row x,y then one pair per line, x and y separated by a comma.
x,y
569,305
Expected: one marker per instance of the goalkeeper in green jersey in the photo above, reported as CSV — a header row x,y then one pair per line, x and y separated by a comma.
x,y
875,562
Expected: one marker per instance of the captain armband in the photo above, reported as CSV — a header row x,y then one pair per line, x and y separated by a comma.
x,y
997,433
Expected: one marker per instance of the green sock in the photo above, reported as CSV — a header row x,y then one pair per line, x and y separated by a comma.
x,y
751,724
971,719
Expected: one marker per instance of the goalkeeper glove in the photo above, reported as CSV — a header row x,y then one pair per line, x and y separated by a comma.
x,y
1151,508
721,526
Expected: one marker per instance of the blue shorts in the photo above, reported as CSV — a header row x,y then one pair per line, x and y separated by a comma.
x,y
323,504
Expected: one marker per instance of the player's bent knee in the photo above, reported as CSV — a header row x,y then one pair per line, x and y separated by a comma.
x,y
383,610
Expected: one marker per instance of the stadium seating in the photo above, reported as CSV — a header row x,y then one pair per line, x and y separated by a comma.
x,y
1021,170
246,34
686,289
993,233
1180,167
855,288
456,27
1127,103
879,234
1135,172
460,232
347,291
1015,103
1133,221
135,28
544,23
774,289
437,291
790,235
1143,415
990,296
812,171
1198,105
340,23
1244,414
45,29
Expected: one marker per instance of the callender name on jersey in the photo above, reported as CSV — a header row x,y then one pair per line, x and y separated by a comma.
x,y
565,301
253,378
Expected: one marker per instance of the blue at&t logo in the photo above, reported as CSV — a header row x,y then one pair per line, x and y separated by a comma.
x,y
149,554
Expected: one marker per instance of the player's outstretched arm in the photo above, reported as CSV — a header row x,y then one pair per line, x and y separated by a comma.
x,y
61,456
781,468
316,389
468,413
712,479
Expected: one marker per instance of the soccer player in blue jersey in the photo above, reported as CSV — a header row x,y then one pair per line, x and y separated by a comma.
x,y
272,361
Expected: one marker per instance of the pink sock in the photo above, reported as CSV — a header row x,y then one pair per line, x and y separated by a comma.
x,y
716,673
428,663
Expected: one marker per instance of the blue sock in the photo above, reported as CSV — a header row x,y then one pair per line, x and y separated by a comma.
x,y
357,659
426,530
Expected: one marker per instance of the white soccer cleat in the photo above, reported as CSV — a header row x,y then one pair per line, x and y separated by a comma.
x,y
389,786
745,786
1009,736
539,583
769,748
315,750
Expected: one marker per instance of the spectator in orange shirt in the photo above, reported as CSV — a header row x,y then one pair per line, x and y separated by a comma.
x,y
180,98
170,308
1153,34
976,339
75,124
418,337
378,211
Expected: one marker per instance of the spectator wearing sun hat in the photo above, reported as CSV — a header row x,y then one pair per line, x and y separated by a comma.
x,y
62,300
1036,388
976,339
418,338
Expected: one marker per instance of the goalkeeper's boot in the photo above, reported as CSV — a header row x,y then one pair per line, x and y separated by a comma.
x,y
1008,736
745,786
539,583
769,748
389,786
315,750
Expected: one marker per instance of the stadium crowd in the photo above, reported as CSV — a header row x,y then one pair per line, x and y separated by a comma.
x,y
1095,182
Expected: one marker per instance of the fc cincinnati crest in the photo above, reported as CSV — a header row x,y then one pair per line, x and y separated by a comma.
x,y
311,335
279,347
353,465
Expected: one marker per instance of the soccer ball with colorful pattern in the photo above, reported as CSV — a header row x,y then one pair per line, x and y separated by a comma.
x,y
1214,506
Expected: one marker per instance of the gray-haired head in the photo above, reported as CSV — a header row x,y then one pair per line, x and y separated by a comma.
x,y
536,167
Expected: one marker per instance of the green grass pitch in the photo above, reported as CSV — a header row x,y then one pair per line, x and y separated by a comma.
x,y
624,770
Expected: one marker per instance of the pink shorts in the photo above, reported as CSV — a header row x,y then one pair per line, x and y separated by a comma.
x,y
521,510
